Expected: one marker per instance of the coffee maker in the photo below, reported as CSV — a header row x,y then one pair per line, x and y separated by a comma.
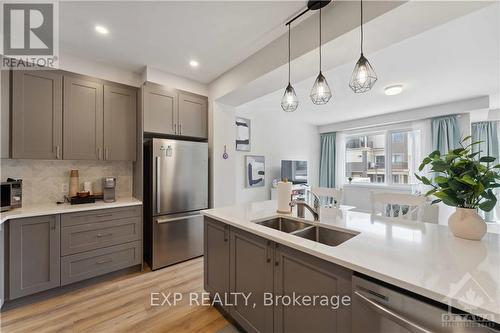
x,y
108,189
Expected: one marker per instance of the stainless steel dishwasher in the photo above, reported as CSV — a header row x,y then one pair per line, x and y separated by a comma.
x,y
381,309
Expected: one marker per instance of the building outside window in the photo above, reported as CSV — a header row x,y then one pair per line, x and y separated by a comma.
x,y
386,157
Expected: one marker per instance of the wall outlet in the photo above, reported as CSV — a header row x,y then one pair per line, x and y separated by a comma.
x,y
64,188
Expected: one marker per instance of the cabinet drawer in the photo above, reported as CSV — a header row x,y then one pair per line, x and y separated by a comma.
x,y
86,265
100,215
91,236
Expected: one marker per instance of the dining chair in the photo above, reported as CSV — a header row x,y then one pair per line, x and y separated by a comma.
x,y
397,206
334,197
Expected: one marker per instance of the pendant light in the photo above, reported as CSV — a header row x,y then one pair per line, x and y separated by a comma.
x,y
289,102
320,92
363,76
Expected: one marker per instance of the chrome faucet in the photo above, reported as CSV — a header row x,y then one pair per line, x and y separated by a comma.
x,y
301,204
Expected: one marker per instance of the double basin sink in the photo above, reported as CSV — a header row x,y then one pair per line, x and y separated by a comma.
x,y
305,230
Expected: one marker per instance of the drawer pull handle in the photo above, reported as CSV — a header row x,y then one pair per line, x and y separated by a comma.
x,y
103,235
103,261
104,215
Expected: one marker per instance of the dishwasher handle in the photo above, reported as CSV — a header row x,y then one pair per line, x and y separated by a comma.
x,y
390,314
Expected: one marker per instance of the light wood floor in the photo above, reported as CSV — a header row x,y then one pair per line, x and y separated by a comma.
x,y
121,305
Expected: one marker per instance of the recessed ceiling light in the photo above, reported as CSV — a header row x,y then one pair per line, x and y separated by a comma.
x,y
194,63
393,90
102,30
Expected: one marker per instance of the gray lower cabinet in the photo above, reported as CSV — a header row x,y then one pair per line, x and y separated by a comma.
x,y
193,115
34,255
37,116
94,235
98,242
216,257
89,264
251,273
83,119
256,265
120,113
303,274
160,109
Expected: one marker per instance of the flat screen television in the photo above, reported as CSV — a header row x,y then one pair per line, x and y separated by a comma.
x,y
294,171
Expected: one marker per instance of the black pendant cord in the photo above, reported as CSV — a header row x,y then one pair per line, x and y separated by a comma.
x,y
320,40
289,54
362,27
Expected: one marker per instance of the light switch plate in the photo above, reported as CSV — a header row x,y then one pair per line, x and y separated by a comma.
x,y
64,188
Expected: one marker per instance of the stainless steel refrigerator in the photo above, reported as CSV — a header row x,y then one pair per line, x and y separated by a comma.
x,y
175,190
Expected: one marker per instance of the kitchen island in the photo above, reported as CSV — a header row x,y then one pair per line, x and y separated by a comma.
x,y
423,259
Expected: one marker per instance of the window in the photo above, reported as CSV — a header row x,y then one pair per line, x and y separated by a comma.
x,y
397,158
365,158
386,157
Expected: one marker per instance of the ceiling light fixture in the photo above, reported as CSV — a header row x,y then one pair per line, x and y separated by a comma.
x,y
289,101
320,92
363,76
102,30
193,63
393,90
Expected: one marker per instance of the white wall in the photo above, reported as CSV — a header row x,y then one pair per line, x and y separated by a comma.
x,y
104,71
174,81
222,172
277,137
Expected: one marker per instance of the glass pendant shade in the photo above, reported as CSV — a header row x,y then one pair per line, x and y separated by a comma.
x,y
289,102
320,92
363,76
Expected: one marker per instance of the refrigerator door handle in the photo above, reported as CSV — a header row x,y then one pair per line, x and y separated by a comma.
x,y
158,184
172,219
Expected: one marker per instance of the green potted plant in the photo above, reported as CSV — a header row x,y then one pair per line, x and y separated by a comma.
x,y
349,179
466,181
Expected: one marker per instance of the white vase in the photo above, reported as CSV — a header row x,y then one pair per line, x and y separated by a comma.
x,y
466,223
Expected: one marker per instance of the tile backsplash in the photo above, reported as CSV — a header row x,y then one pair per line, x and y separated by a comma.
x,y
42,180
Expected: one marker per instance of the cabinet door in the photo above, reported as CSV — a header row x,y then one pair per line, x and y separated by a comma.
x,y
302,274
193,115
216,257
160,110
83,119
251,272
120,109
37,114
34,262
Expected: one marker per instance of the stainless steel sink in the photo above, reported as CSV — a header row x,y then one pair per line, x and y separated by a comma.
x,y
284,224
325,236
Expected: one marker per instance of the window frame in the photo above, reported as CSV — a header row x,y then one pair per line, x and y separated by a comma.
x,y
388,176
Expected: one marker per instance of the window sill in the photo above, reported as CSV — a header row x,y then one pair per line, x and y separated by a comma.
x,y
379,186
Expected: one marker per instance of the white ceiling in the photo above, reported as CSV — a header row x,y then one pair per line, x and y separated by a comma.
x,y
167,35
457,60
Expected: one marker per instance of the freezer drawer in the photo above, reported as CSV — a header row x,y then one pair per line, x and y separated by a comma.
x,y
177,238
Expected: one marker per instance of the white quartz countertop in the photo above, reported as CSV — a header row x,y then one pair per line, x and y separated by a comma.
x,y
423,258
53,208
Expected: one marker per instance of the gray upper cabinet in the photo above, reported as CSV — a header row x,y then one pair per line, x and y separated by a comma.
x,y
193,115
160,109
216,257
83,119
303,274
120,110
37,114
251,272
34,255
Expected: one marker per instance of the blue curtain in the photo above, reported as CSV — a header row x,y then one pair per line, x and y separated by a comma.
x,y
327,160
486,132
445,133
